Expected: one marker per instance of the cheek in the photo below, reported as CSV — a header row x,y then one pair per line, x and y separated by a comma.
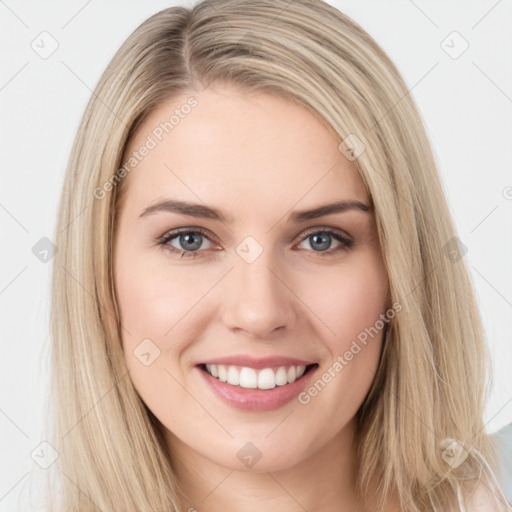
x,y
162,302
155,307
154,294
352,299
351,305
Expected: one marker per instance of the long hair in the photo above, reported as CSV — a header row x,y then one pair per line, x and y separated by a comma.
x,y
433,375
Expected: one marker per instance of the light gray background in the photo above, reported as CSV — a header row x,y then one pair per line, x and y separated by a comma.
x,y
466,104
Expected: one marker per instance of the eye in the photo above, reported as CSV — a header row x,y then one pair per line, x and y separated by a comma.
x,y
321,239
189,241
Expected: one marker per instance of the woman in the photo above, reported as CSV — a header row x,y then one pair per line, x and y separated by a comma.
x,y
259,300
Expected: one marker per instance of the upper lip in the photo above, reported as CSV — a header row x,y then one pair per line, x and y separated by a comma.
x,y
257,362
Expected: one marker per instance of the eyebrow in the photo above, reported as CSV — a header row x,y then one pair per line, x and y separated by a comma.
x,y
205,212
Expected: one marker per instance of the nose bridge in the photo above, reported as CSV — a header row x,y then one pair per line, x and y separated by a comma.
x,y
257,300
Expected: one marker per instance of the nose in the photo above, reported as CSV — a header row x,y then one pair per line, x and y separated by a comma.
x,y
259,301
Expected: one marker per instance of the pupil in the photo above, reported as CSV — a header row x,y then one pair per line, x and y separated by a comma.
x,y
188,239
324,240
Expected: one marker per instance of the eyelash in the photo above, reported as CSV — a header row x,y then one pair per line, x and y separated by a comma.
x,y
167,237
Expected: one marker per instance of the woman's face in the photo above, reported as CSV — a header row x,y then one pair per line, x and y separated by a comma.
x,y
262,290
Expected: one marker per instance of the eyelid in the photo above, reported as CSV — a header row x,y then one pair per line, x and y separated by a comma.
x,y
173,233
316,229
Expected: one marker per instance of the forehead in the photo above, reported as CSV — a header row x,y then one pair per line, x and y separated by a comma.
x,y
235,148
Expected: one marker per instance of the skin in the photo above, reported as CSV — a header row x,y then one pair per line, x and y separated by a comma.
x,y
257,158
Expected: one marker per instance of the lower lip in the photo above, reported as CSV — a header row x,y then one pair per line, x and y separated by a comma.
x,y
250,399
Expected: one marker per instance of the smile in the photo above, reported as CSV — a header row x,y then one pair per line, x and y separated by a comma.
x,y
257,390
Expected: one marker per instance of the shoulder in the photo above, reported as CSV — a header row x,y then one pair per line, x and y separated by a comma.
x,y
490,492
503,439
485,498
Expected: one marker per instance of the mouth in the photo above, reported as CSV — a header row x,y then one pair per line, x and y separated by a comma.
x,y
257,378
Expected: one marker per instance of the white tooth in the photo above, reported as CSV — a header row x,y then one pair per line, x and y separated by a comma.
x,y
248,378
223,374
300,371
266,379
233,376
214,370
209,368
281,378
292,374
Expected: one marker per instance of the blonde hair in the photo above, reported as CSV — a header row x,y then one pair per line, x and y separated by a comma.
x,y
432,379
